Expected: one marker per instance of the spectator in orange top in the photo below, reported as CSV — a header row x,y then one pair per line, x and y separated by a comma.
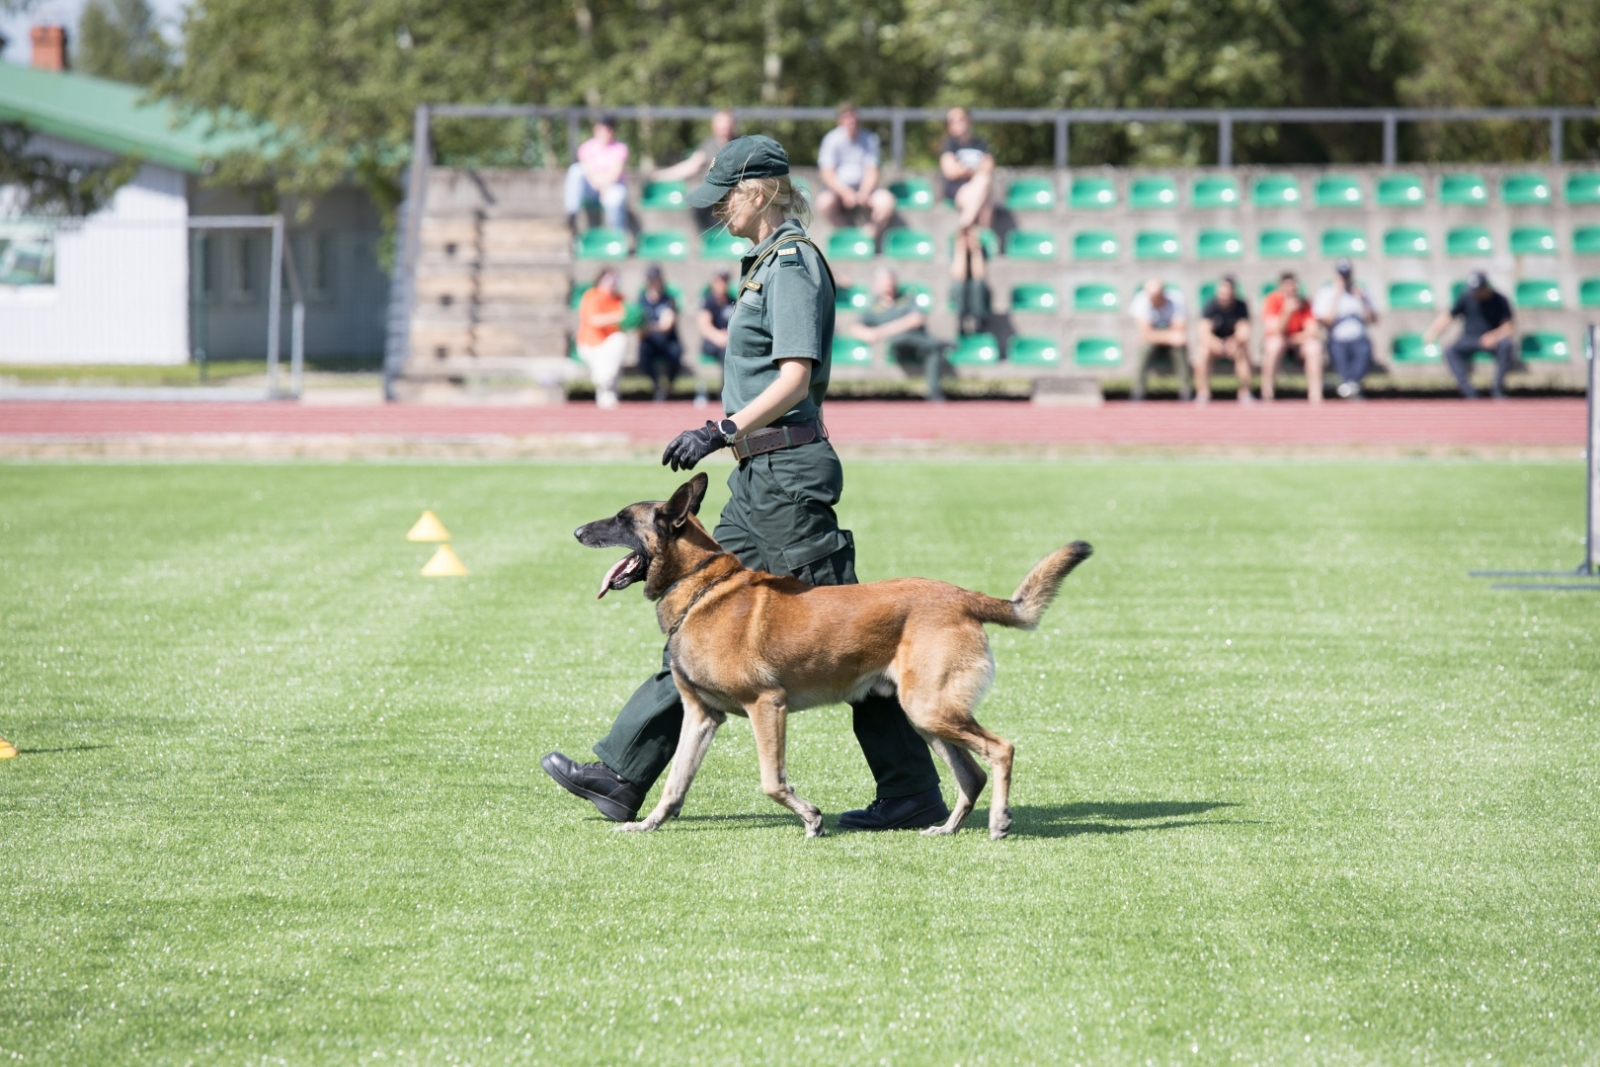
x,y
1288,327
601,342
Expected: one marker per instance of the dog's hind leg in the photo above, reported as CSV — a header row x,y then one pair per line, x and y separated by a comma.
x,y
699,729
970,781
769,719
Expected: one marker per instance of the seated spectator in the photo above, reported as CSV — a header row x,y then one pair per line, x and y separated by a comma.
x,y
716,311
848,160
597,177
602,344
968,170
1163,333
1487,325
1224,334
894,317
1289,328
698,162
1344,307
660,351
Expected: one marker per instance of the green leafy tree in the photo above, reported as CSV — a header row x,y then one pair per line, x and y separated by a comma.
x,y
40,186
119,40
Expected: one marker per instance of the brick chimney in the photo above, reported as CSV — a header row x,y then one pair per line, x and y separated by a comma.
x,y
49,47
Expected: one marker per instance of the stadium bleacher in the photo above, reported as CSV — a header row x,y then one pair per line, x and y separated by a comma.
x,y
1068,247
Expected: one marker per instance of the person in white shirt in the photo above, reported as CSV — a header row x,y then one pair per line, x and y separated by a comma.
x,y
848,160
1163,332
1346,310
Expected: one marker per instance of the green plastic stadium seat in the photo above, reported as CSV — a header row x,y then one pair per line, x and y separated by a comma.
x,y
1533,241
1153,192
1402,242
852,298
1281,244
1034,351
1094,296
1337,190
1096,352
1401,190
720,244
1207,291
1583,187
1456,289
602,243
908,246
849,352
1543,345
1094,244
1468,241
1031,194
1586,241
1276,190
850,243
1154,244
1215,192
578,289
663,196
986,237
664,245
1221,244
1525,190
976,350
1031,244
1344,241
1272,283
1092,194
1463,189
1589,293
1410,348
912,194
1411,296
920,295
1036,296
1538,295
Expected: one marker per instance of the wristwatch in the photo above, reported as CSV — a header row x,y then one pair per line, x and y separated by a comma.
x,y
729,430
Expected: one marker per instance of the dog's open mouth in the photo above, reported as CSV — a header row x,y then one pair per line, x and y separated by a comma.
x,y
623,573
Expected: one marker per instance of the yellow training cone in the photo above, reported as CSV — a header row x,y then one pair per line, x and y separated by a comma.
x,y
7,749
445,564
428,528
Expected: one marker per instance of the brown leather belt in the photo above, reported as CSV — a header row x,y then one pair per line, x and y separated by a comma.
x,y
774,438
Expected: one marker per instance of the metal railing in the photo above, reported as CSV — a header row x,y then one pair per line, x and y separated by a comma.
x,y
1224,119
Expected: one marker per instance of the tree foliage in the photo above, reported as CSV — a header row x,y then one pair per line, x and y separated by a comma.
x,y
119,40
40,186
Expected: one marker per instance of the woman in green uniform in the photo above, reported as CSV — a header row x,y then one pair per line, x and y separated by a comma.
x,y
780,515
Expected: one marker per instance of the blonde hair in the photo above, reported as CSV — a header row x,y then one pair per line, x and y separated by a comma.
x,y
774,193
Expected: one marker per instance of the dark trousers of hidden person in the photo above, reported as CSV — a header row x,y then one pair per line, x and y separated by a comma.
x,y
779,519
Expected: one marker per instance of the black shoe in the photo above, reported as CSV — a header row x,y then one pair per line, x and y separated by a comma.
x,y
898,813
617,798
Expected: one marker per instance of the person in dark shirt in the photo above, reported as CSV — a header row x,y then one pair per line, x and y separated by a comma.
x,y
968,171
716,311
660,351
894,317
1224,334
1487,325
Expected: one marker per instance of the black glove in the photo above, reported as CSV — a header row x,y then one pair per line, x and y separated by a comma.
x,y
692,446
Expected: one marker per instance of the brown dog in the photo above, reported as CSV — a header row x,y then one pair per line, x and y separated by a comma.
x,y
745,642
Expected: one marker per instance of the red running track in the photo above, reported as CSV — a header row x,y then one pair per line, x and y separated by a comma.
x,y
1537,422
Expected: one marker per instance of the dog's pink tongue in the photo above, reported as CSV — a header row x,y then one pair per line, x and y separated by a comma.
x,y
616,568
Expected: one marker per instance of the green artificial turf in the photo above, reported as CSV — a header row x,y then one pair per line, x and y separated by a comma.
x,y
1290,786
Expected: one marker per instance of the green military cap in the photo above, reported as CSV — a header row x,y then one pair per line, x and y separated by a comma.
x,y
756,156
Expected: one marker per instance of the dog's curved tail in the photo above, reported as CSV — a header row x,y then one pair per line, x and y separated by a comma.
x,y
1037,590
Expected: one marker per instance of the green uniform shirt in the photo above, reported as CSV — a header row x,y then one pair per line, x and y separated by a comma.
x,y
784,311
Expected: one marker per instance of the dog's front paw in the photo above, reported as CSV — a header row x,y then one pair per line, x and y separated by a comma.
x,y
643,827
940,831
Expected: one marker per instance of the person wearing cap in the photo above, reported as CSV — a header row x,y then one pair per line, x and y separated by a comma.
x,y
780,512
1344,307
597,176
660,351
1487,325
716,311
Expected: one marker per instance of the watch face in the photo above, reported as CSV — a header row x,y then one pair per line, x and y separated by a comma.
x,y
728,427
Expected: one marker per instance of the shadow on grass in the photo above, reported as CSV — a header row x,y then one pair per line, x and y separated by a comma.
x,y
57,751
1071,820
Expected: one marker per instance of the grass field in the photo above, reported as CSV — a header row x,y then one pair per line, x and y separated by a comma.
x,y
1290,787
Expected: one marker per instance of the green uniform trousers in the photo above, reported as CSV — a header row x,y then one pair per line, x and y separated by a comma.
x,y
780,519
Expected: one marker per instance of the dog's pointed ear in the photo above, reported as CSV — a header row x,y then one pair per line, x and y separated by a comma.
x,y
686,501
